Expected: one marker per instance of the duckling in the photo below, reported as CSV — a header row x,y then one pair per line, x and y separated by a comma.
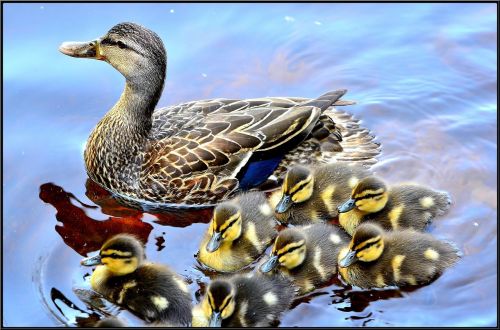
x,y
313,194
250,300
153,292
402,206
306,255
375,258
239,232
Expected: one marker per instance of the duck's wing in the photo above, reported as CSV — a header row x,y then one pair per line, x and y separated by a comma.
x,y
201,157
203,150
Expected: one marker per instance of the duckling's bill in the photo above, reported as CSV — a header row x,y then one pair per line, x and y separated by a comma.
x,y
284,203
91,261
87,49
215,320
269,264
348,260
347,206
214,242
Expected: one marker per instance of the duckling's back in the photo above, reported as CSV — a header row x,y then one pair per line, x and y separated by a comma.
x,y
260,300
154,293
323,244
412,206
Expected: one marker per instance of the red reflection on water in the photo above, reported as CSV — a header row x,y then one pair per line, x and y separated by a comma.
x,y
174,218
82,233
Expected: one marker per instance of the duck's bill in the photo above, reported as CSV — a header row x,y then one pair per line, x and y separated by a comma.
x,y
347,206
348,260
215,320
89,49
269,264
284,204
91,261
214,242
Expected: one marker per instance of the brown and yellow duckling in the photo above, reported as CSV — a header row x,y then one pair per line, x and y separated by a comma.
x,y
375,258
151,291
306,255
313,194
250,300
401,206
239,232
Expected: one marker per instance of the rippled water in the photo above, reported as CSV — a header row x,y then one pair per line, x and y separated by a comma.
x,y
424,76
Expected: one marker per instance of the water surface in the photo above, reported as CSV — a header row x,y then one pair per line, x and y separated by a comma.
x,y
424,76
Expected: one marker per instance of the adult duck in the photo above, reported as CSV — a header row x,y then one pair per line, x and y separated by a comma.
x,y
198,153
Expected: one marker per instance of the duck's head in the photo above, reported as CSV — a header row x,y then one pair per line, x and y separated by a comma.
x,y
219,302
289,250
138,53
367,245
121,255
369,196
225,225
297,187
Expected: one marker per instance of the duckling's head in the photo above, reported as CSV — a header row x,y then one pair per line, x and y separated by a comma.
x,y
297,187
121,255
218,303
137,52
369,196
289,250
225,225
367,245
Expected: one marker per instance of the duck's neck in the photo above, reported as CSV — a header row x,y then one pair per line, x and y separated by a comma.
x,y
115,148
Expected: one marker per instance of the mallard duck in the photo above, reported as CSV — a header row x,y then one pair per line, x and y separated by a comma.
x,y
307,255
197,153
375,258
401,206
250,300
313,194
239,232
151,291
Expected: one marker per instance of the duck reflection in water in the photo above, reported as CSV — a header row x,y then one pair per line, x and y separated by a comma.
x,y
85,234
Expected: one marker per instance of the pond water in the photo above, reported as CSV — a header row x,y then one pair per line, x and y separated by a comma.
x,y
424,77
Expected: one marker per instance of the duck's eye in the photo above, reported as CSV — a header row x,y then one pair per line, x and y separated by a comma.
x,y
121,45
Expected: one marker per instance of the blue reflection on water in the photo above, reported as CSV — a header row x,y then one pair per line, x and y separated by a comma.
x,y
424,76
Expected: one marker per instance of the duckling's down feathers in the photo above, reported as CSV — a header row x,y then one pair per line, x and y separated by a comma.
x,y
152,292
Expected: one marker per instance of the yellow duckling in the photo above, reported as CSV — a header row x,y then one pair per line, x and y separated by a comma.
x,y
153,292
402,206
239,232
313,194
250,300
375,258
307,255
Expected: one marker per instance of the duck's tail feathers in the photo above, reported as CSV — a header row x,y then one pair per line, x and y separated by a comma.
x,y
348,141
326,100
